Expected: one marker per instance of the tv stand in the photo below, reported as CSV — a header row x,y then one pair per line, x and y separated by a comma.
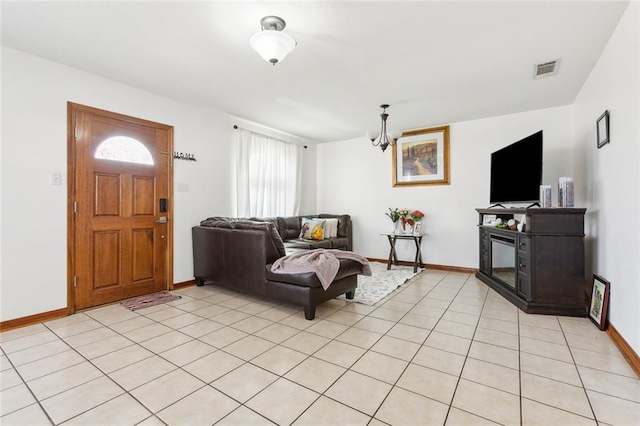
x,y
542,269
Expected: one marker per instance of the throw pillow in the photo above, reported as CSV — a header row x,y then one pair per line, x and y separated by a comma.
x,y
331,228
312,229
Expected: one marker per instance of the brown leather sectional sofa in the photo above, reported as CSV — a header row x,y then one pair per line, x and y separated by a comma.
x,y
238,253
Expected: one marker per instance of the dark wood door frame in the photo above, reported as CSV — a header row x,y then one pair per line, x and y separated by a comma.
x,y
72,108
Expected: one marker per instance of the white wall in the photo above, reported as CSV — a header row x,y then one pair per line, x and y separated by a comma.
x,y
355,177
35,93
611,173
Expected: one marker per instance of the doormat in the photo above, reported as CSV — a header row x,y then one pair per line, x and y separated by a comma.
x,y
149,300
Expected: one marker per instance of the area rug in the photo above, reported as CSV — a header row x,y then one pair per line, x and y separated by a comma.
x,y
372,289
149,300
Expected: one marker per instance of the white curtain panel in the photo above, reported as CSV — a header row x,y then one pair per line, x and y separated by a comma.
x,y
269,173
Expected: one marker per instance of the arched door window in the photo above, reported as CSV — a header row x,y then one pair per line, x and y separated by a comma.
x,y
124,148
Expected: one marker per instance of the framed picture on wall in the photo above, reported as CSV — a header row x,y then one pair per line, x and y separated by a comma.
x,y
421,157
602,129
599,302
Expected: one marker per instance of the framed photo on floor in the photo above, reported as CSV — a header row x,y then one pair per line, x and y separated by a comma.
x,y
599,302
421,157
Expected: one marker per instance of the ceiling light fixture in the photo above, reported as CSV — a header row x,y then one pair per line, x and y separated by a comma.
x,y
383,139
271,43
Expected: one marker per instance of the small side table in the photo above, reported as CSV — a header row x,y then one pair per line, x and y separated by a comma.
x,y
393,255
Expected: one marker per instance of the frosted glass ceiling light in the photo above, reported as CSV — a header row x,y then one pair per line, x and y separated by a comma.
x,y
383,139
271,43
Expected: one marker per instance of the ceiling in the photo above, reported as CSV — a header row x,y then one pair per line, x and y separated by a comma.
x,y
433,62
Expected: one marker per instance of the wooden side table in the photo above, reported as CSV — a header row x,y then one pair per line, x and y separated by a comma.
x,y
393,255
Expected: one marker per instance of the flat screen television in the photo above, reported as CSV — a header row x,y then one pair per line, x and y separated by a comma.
x,y
516,171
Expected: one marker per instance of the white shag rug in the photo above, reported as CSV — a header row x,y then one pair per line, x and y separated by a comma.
x,y
372,289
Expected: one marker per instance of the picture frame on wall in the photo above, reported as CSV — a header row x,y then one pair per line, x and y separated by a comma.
x,y
602,129
599,302
421,157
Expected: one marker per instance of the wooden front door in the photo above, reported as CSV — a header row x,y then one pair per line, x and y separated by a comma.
x,y
120,207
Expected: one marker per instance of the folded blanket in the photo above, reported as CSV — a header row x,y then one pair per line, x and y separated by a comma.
x,y
324,262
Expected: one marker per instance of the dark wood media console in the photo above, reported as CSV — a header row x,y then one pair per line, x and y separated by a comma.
x,y
541,270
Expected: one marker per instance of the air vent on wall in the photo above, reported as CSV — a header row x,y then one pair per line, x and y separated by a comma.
x,y
548,68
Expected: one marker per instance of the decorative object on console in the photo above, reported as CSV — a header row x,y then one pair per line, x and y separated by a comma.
x,y
545,196
565,192
383,139
271,43
602,129
417,228
599,302
421,157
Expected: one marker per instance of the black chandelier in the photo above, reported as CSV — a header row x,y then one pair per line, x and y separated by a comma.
x,y
383,140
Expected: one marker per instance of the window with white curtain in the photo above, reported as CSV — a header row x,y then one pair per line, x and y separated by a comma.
x,y
269,173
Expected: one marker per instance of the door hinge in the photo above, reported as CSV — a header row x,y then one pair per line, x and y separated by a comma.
x,y
75,207
75,281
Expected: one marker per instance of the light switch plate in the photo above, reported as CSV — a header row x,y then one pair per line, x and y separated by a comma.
x,y
55,178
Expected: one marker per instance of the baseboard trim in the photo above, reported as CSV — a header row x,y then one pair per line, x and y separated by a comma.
x,y
429,266
629,354
32,319
184,284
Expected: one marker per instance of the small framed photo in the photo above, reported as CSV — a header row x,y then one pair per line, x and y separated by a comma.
x,y
602,127
417,228
599,302
489,219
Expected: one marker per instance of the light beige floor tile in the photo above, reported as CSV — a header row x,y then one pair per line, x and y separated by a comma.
x,y
379,366
461,318
359,337
203,407
297,320
189,304
339,353
326,411
375,325
111,314
166,390
489,403
537,414
544,334
387,314
407,408
31,415
181,321
276,314
579,326
611,384
134,375
456,329
116,360
398,306
71,329
420,321
306,342
105,346
546,349
118,411
609,363
243,416
326,328
210,311
62,380
149,332
28,341
277,333
252,324
495,354
4,363
166,341
396,348
440,360
315,374
428,382
345,317
614,411
223,337
550,368
556,394
428,311
249,347
501,312
457,417
213,366
359,308
48,365
543,321
600,343
35,353
201,328
360,392
255,307
79,399
493,375
448,342
134,323
497,338
18,333
230,317
15,398
163,314
434,303
282,401
9,378
498,325
279,360
244,382
409,332
187,352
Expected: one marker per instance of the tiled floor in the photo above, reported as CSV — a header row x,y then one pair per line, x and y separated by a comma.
x,y
442,349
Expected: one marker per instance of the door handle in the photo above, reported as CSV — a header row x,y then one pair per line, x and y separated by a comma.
x,y
162,219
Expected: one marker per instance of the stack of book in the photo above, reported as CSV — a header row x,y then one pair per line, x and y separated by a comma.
x,y
565,192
